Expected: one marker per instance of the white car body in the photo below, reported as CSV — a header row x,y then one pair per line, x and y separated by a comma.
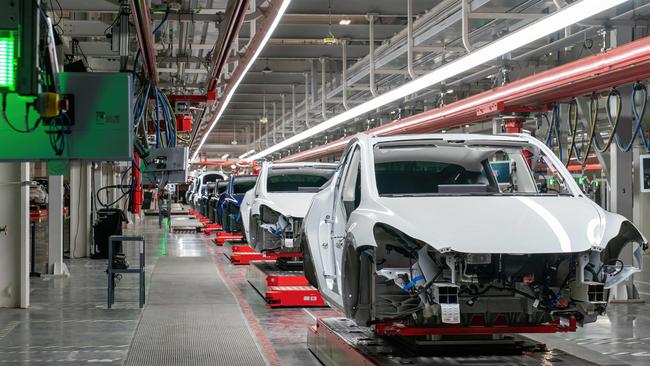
x,y
462,250
202,180
284,203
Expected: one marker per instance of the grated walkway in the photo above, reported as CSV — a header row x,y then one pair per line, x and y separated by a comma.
x,y
191,319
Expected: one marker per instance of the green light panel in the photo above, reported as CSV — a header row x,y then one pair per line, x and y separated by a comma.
x,y
7,61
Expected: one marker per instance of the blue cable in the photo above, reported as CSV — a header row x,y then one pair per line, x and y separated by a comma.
x,y
157,126
162,22
412,283
165,118
637,117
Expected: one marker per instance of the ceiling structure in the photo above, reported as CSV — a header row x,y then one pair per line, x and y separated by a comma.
x,y
296,82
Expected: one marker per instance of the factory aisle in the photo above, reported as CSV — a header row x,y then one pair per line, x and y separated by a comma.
x,y
191,318
190,312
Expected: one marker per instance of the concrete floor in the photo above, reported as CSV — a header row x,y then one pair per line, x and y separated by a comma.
x,y
68,322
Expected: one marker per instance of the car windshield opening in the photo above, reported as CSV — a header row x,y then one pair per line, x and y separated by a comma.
x,y
464,169
244,184
222,186
298,180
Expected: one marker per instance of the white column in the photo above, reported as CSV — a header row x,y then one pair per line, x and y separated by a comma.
x,y
14,238
55,226
80,199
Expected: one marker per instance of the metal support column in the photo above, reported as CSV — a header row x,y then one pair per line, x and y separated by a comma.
x,y
55,263
80,203
621,175
14,235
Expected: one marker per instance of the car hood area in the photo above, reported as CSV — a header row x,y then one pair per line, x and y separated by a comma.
x,y
293,204
503,224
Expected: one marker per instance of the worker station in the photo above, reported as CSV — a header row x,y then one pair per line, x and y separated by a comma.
x,y
325,182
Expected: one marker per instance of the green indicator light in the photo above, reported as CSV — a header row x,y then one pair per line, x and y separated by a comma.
x,y
551,181
7,60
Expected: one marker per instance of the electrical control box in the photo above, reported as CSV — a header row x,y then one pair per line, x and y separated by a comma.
x,y
644,172
99,123
166,165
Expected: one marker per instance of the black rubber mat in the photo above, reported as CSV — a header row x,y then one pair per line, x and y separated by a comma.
x,y
191,319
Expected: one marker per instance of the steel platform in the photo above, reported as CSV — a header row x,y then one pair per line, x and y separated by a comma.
x,y
209,228
222,237
282,288
243,254
184,224
339,341
234,247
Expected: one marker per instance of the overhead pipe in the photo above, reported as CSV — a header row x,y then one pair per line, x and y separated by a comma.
x,y
323,79
275,125
257,41
293,109
465,10
284,137
307,100
409,39
344,73
373,88
266,134
182,46
312,72
622,65
145,37
255,140
235,13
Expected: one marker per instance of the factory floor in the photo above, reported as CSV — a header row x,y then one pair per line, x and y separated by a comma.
x,y
194,296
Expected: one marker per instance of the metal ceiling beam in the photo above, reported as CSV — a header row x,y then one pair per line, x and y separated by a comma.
x,y
83,28
485,15
85,5
618,66
190,17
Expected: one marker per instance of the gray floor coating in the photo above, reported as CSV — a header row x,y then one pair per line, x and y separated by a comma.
x,y
68,322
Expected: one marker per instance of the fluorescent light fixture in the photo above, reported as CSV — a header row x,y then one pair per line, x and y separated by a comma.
x,y
449,91
247,153
224,105
345,22
225,156
562,18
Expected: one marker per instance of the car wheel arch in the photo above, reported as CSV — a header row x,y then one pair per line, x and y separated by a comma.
x,y
357,264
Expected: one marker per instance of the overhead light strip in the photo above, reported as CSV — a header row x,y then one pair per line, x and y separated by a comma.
x,y
249,152
559,20
250,63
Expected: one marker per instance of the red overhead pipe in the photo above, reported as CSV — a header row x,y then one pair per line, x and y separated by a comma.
x,y
618,66
140,9
235,14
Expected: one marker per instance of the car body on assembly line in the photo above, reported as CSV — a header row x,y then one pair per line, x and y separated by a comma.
x,y
273,211
417,230
200,183
228,205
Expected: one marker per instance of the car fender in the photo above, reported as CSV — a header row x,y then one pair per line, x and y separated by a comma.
x,y
245,211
